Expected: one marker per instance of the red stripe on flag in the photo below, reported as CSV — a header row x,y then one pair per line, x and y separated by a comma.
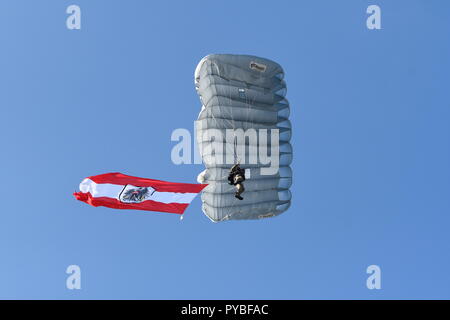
x,y
161,186
149,205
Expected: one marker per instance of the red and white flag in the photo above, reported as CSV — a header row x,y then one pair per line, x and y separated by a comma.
x,y
119,191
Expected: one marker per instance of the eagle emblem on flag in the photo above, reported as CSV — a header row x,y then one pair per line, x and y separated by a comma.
x,y
133,194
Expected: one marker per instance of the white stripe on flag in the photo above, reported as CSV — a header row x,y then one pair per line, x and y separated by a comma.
x,y
108,190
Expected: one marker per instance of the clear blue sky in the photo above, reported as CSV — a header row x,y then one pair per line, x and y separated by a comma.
x,y
370,112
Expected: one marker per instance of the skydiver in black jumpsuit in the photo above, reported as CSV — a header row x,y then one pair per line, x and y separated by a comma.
x,y
236,177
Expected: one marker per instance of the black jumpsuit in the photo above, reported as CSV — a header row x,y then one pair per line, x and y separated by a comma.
x,y
236,177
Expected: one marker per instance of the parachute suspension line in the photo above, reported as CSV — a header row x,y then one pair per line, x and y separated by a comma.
x,y
243,94
248,107
236,161
231,124
248,102
228,121
234,146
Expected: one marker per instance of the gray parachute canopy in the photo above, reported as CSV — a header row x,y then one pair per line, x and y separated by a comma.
x,y
243,119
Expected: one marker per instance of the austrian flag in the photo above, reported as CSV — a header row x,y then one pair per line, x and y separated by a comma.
x,y
119,191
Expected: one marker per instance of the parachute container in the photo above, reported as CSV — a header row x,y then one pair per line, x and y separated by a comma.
x,y
244,116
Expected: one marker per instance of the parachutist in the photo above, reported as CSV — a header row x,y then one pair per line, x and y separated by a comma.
x,y
236,177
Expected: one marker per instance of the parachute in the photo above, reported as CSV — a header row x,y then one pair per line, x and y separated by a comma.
x,y
244,119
